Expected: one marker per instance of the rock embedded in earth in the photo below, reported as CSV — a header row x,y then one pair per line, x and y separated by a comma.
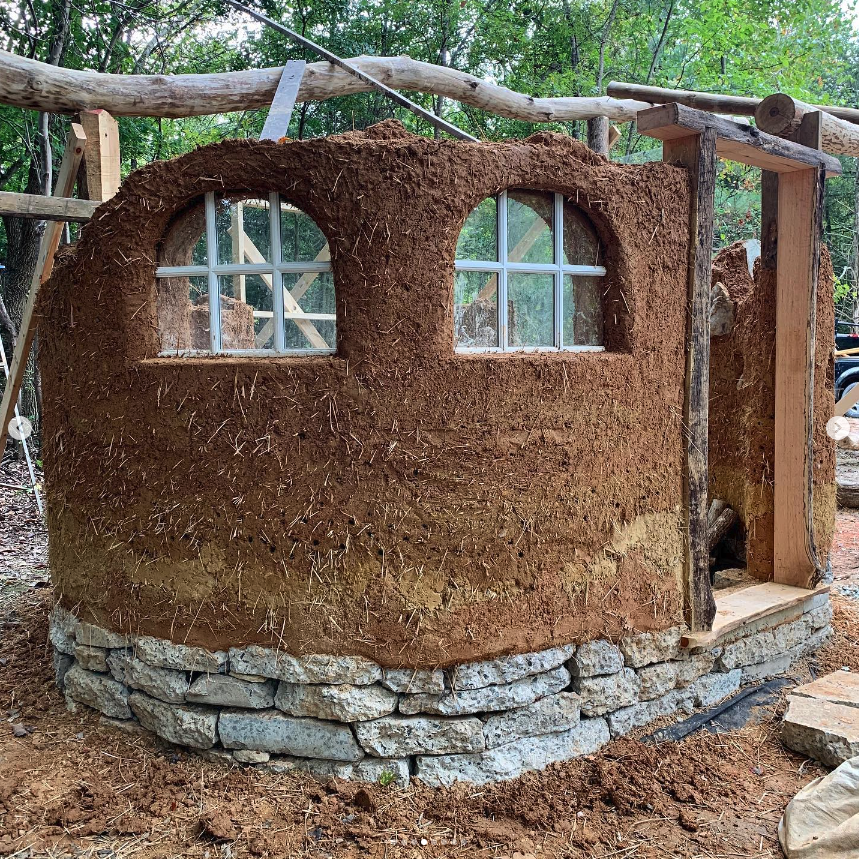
x,y
223,690
94,636
273,731
657,679
392,771
183,724
823,730
342,702
413,680
490,698
278,665
98,691
603,694
397,736
647,647
547,716
62,628
508,669
594,658
91,658
161,653
513,759
162,683
250,756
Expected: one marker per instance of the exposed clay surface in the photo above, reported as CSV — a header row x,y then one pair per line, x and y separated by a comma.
x,y
742,406
395,500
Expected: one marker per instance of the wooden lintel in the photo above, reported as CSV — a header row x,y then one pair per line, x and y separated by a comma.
x,y
697,152
42,208
735,142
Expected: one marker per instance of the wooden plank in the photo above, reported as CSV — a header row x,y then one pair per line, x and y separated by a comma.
x,y
697,152
800,206
75,143
280,112
743,143
769,220
101,159
43,208
748,605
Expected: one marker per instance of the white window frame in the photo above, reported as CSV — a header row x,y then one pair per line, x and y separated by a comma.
x,y
275,269
502,267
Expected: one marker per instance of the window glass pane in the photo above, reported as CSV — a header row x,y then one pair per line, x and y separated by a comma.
x,y
185,240
583,310
530,309
244,233
529,226
581,245
312,294
245,301
479,237
182,305
475,309
301,239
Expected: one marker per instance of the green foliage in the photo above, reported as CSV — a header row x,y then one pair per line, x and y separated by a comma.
x,y
386,779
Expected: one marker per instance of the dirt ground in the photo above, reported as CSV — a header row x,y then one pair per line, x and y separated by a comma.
x,y
70,786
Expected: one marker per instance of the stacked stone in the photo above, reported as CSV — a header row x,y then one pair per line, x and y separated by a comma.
x,y
346,716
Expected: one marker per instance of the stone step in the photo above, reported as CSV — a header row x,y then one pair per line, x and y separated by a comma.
x,y
821,729
840,687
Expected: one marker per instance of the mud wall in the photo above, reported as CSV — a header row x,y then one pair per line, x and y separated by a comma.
x,y
742,407
397,500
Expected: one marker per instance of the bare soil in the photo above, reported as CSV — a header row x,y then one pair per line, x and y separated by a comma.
x,y
70,786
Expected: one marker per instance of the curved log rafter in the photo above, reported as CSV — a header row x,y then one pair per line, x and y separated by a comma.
x,y
30,84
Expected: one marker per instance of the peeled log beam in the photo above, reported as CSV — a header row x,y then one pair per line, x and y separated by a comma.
x,y
46,208
782,115
715,103
38,86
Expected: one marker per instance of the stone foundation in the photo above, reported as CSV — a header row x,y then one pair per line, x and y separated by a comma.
x,y
346,716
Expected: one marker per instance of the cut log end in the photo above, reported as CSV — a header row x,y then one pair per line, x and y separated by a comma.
x,y
778,114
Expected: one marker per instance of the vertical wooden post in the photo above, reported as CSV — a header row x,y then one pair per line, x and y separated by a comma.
x,y
237,231
598,135
697,153
800,207
75,143
101,161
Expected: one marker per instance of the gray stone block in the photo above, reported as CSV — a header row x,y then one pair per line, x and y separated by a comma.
x,y
622,721
273,731
372,770
508,669
62,627
657,679
183,724
489,699
820,617
823,730
62,663
98,691
547,716
91,635
594,658
91,658
603,694
692,666
249,756
413,680
223,690
712,688
169,686
397,736
511,760
342,702
647,647
765,670
161,653
304,669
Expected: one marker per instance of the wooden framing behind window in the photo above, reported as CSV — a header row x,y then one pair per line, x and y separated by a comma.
x,y
528,276
269,264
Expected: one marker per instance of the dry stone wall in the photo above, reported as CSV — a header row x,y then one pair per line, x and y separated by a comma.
x,y
348,717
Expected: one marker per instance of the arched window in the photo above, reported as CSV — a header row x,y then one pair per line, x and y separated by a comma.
x,y
267,261
528,276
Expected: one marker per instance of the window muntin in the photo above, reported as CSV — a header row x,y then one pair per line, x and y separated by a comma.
x,y
528,276
270,265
